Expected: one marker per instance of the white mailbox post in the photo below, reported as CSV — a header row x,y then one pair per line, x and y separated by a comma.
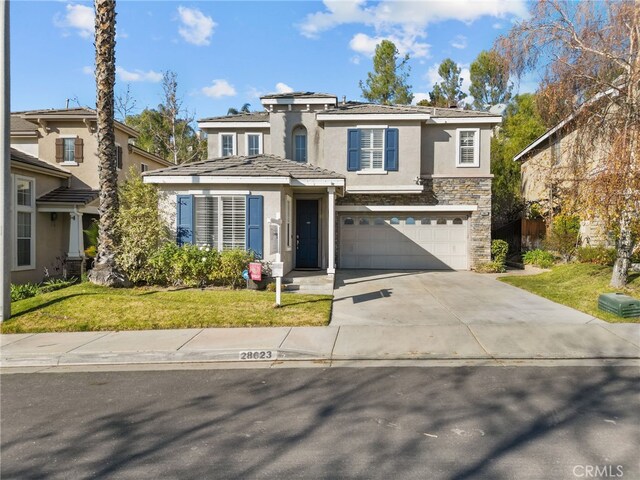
x,y
277,267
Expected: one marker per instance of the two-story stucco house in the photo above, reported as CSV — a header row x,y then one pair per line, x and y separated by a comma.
x,y
351,185
54,177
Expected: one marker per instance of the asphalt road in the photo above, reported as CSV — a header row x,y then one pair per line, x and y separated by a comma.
x,y
387,423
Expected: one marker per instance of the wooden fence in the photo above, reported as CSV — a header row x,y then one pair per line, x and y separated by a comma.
x,y
521,234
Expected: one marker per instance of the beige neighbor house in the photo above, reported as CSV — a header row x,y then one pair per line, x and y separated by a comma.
x,y
54,176
547,187
330,184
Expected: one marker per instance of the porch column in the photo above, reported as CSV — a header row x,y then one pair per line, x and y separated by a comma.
x,y
331,269
76,240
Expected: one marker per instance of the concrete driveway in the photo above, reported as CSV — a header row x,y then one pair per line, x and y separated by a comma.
x,y
383,297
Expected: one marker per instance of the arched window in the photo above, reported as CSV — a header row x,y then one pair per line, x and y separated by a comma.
x,y
442,221
348,221
363,221
425,221
300,144
378,221
395,221
410,221
457,221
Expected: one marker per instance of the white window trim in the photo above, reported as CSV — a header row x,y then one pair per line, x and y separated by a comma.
x,y
288,222
374,171
476,148
246,142
300,129
20,208
68,164
142,164
234,143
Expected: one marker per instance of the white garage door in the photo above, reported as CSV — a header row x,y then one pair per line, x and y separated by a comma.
x,y
409,241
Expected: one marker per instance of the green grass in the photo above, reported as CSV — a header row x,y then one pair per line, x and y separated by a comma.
x,y
577,286
87,307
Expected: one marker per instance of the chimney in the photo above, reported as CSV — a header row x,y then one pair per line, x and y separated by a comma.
x,y
67,104
344,100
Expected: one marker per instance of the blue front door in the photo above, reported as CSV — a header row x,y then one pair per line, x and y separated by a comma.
x,y
307,234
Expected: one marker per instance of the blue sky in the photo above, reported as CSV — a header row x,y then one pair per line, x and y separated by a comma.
x,y
228,53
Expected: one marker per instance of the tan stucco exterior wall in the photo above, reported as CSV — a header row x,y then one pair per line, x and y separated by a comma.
x,y
439,149
213,140
51,236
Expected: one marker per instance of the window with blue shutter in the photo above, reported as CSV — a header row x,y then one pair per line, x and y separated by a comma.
x,y
184,219
255,220
391,150
353,150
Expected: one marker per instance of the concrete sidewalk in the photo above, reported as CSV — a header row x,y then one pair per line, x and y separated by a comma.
x,y
420,342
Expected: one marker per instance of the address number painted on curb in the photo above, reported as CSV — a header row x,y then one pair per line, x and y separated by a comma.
x,y
258,355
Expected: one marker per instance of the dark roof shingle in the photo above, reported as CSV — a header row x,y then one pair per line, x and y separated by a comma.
x,y
241,117
299,95
353,108
250,166
74,196
25,158
19,124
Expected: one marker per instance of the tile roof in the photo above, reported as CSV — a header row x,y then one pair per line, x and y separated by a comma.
x,y
19,124
251,166
353,108
68,112
299,95
74,196
25,158
241,117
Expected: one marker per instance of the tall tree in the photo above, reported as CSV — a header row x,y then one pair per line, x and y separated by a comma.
x,y
387,84
125,104
589,58
522,124
167,130
489,80
105,271
449,91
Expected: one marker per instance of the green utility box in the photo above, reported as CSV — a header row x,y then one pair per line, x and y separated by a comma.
x,y
619,304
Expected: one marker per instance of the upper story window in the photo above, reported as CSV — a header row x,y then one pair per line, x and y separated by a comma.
x,y
300,144
227,144
144,167
556,152
254,143
119,163
468,147
372,150
69,150
24,223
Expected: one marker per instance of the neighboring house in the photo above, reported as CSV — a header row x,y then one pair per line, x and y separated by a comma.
x,y
352,185
547,184
54,170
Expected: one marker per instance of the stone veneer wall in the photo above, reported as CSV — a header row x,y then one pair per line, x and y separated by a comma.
x,y
441,191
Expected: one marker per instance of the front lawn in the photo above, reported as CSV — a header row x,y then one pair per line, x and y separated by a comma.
x,y
87,307
577,286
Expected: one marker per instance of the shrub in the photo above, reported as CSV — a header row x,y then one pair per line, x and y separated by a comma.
x,y
232,263
596,255
499,250
539,258
564,236
490,267
20,292
139,227
56,284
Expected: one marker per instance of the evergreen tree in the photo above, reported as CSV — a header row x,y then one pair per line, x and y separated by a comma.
x,y
449,91
387,84
489,81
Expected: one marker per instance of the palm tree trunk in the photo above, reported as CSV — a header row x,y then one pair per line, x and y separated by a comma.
x,y
105,271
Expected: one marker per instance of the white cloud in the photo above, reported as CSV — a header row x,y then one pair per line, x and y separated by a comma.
x,y
196,27
403,22
366,45
418,96
460,41
283,88
219,88
78,17
355,60
138,75
87,70
497,25
253,92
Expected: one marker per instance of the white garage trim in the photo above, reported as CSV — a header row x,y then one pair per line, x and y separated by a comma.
x,y
407,208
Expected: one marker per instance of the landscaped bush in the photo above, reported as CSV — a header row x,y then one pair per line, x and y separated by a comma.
x,y
489,267
499,250
596,255
20,292
139,227
539,258
564,236
194,266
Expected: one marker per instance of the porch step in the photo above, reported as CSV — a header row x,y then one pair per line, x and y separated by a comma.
x,y
308,282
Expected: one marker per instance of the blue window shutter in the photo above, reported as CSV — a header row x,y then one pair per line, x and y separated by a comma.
x,y
255,221
185,219
391,150
353,150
